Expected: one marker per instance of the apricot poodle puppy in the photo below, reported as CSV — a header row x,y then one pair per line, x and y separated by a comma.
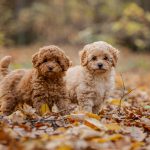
x,y
90,83
42,84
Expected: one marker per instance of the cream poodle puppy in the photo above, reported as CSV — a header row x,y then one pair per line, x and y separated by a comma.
x,y
42,84
90,83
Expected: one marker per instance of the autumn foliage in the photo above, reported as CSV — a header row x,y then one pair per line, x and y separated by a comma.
x,y
123,123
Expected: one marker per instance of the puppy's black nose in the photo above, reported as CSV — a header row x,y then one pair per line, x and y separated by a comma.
x,y
100,65
50,68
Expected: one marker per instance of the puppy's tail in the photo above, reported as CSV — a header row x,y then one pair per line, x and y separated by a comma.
x,y
4,64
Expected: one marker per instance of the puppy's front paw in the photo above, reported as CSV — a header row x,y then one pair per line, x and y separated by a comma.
x,y
6,113
87,109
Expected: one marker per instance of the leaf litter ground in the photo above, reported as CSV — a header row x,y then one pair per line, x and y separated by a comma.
x,y
122,124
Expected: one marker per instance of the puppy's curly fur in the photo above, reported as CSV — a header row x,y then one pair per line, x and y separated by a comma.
x,y
4,63
90,83
42,84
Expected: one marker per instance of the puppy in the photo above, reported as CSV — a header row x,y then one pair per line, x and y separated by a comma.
x,y
90,83
42,84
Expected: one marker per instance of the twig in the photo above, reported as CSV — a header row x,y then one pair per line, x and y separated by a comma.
x,y
66,110
47,120
123,93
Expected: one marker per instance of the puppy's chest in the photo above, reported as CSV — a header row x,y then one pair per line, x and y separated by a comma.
x,y
100,87
53,90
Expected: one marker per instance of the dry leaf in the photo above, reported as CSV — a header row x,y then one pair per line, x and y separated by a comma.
x,y
136,145
76,117
91,115
114,137
100,140
145,122
17,117
28,110
137,133
44,109
94,124
113,126
115,102
65,147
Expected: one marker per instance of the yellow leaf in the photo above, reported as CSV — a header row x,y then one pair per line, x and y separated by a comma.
x,y
136,145
116,102
100,140
45,137
90,125
115,137
91,115
110,138
77,117
94,124
64,147
76,123
44,109
113,126
55,137
61,129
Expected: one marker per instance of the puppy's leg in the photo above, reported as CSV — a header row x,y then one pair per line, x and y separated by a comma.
x,y
96,109
40,96
62,102
102,103
86,99
8,104
38,100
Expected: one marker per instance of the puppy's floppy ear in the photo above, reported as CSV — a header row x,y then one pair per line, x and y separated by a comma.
x,y
65,62
115,54
83,57
35,60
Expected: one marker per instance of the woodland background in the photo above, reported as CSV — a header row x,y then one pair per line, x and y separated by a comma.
x,y
73,22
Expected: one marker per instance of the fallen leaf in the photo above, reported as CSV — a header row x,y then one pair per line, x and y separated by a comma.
x,y
76,117
146,123
94,124
115,102
114,137
53,137
45,137
136,145
100,140
137,133
113,126
17,117
64,147
28,110
4,136
91,115
44,109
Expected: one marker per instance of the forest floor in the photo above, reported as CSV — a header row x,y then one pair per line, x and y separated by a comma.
x,y
122,124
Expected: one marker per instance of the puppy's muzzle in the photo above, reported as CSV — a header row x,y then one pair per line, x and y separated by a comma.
x,y
100,65
50,68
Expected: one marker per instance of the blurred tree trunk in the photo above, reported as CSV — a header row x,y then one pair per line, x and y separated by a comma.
x,y
145,4
97,16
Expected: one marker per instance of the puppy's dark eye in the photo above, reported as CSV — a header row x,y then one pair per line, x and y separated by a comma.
x,y
94,58
45,60
105,58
